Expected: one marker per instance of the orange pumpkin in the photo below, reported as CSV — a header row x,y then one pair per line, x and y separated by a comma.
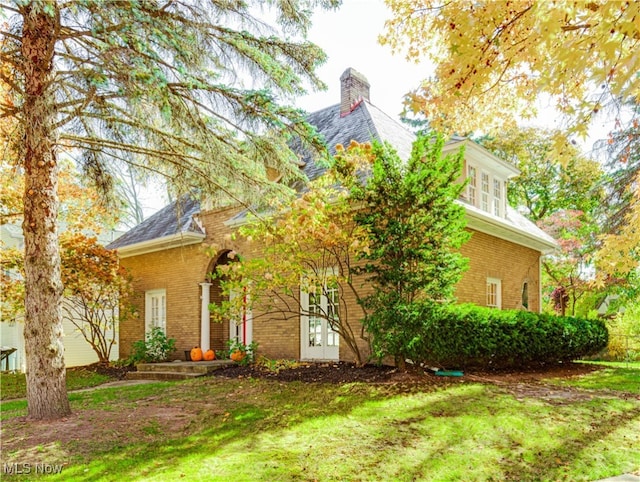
x,y
196,353
209,355
238,355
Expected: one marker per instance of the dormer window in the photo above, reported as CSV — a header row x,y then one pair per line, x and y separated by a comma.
x,y
484,205
486,190
472,186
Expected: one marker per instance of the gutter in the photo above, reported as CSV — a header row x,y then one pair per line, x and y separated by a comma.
x,y
501,229
166,242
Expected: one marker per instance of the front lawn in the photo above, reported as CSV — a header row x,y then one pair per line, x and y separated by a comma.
x,y
254,429
13,385
621,376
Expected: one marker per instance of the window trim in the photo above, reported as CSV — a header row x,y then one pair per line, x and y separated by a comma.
x,y
497,282
149,296
472,186
486,191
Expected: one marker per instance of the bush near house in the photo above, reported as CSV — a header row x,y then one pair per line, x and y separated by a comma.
x,y
465,336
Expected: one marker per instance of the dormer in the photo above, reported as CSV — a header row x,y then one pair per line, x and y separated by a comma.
x,y
487,177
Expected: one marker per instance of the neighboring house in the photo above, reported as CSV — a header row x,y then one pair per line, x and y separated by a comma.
x,y
77,352
170,268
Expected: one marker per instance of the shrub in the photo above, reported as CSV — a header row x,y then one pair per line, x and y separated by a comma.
x,y
465,336
248,351
156,347
468,335
624,339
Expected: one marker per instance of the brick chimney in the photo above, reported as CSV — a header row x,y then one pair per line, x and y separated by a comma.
x,y
354,87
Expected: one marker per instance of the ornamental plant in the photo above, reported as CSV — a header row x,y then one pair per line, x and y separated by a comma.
x,y
156,347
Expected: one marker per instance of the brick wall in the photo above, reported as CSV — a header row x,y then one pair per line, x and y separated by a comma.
x,y
496,258
180,270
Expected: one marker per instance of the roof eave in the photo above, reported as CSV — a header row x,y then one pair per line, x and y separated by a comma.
x,y
501,229
505,168
166,242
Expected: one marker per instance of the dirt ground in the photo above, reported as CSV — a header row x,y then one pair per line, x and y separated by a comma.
x,y
343,372
89,427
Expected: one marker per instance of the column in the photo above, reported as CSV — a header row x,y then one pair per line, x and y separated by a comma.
x,y
205,322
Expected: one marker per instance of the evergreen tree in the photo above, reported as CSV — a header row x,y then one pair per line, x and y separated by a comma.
x,y
157,84
415,231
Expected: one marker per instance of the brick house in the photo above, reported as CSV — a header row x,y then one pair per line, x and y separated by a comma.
x,y
166,257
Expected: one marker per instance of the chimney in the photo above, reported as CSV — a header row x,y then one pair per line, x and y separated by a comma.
x,y
354,87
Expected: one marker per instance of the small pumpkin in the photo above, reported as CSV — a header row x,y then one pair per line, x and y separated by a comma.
x,y
196,353
238,355
209,355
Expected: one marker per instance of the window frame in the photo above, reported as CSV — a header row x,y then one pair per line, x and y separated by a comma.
x,y
494,298
159,294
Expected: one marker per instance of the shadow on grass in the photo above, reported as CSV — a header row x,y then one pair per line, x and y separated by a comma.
x,y
272,431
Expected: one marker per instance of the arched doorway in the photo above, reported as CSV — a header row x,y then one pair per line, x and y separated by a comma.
x,y
240,329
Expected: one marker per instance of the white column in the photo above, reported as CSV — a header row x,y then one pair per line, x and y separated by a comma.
x,y
205,330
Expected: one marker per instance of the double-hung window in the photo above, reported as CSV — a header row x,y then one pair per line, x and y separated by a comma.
x,y
472,186
485,193
494,293
156,310
497,197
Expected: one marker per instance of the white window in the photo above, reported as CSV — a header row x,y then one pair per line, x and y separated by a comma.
x,y
497,197
319,339
485,192
494,293
472,186
155,310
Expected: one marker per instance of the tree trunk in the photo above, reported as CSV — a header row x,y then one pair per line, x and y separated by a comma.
x,y
46,376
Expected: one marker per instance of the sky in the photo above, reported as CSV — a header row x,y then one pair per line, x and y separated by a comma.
x,y
349,37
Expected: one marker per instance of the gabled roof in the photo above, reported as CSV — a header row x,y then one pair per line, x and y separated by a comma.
x,y
172,226
362,122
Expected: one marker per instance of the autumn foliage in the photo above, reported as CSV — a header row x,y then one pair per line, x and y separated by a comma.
x,y
492,58
97,290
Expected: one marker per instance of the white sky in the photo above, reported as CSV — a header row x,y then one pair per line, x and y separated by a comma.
x,y
349,36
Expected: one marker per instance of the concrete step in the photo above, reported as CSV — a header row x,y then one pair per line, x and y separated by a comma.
x,y
158,375
178,370
201,367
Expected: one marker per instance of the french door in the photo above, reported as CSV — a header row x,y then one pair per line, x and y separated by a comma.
x,y
319,341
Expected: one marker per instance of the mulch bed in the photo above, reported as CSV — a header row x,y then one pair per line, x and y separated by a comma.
x,y
342,372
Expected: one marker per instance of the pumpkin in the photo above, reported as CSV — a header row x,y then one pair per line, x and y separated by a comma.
x,y
209,355
238,355
196,353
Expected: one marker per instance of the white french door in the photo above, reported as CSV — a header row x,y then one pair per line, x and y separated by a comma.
x,y
318,340
242,328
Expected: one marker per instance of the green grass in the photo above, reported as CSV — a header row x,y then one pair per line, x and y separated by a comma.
x,y
13,385
252,430
635,365
614,378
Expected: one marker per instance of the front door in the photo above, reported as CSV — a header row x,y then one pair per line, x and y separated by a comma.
x,y
318,340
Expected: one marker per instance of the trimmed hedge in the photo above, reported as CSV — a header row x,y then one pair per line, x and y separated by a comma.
x,y
463,336
469,335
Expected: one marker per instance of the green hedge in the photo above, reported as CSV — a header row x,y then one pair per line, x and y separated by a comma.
x,y
463,336
468,335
